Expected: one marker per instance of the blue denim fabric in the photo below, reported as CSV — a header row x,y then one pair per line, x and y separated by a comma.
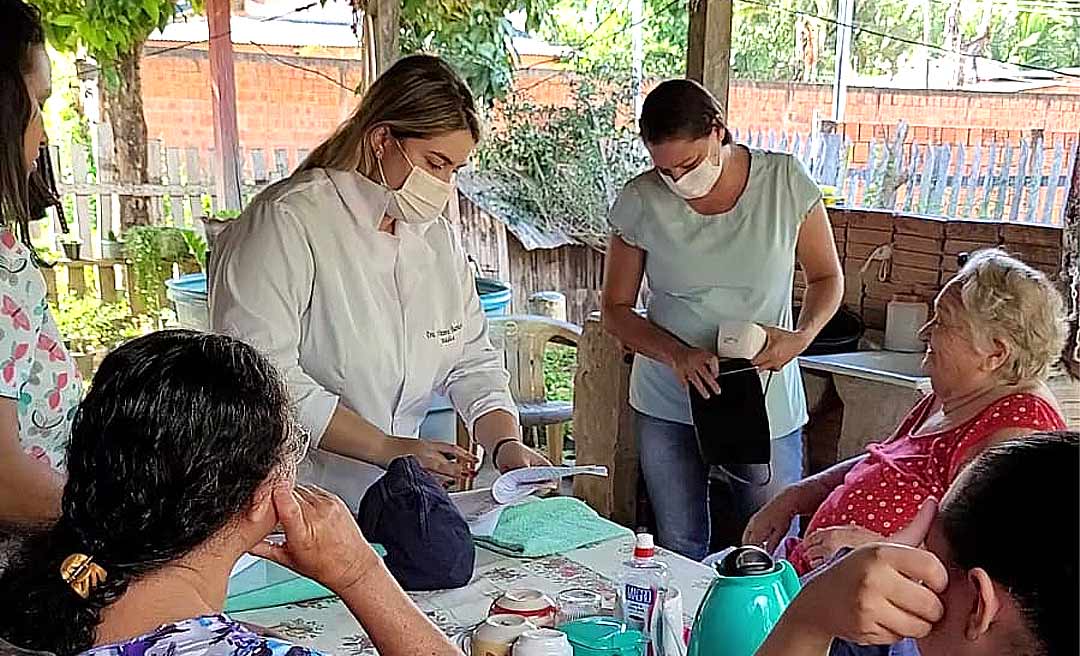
x,y
678,482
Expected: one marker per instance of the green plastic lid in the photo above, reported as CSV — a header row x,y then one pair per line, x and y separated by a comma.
x,y
603,635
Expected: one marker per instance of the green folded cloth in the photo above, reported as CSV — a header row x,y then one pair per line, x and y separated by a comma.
x,y
268,585
549,526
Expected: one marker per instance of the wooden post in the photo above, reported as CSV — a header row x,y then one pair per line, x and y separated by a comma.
x,y
708,52
548,304
603,425
1070,270
386,16
223,101
843,58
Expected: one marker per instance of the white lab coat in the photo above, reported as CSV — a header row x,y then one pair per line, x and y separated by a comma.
x,y
353,315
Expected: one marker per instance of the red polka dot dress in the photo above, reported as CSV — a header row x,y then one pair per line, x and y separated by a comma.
x,y
884,492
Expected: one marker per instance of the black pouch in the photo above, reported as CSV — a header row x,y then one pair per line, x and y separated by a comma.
x,y
733,427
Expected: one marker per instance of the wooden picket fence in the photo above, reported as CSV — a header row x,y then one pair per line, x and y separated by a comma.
x,y
1013,182
180,192
1025,182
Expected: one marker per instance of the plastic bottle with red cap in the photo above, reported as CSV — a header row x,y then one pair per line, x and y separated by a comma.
x,y
642,583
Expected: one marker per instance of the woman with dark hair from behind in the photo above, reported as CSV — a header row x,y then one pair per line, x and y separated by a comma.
x,y
39,384
182,458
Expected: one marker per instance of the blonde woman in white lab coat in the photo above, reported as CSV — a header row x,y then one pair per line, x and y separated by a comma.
x,y
349,276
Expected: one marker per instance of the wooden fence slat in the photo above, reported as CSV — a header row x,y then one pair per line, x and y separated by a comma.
x,y
107,279
174,173
1034,182
926,186
1052,184
196,175
972,183
957,182
1073,152
281,163
1002,182
54,151
258,167
1018,182
913,171
108,206
988,186
81,169
154,171
941,178
868,176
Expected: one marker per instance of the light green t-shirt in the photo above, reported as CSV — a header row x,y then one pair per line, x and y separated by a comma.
x,y
739,265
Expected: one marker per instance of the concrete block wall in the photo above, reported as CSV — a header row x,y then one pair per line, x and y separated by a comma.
x,y
924,254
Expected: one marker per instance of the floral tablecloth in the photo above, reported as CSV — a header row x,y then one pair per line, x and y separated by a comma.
x,y
328,626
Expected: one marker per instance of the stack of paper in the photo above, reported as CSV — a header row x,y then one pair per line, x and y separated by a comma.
x,y
482,508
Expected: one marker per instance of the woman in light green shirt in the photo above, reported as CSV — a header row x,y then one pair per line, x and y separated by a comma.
x,y
717,228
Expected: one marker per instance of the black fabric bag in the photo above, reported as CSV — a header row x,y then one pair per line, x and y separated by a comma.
x,y
428,543
733,427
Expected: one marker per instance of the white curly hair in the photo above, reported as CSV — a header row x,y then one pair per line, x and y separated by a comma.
x,y
1005,299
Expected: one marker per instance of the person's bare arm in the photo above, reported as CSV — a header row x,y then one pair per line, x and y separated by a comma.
x,y
816,253
392,620
623,273
30,490
323,543
350,435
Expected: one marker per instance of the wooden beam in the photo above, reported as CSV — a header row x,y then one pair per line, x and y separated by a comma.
x,y
1070,271
223,101
708,55
386,15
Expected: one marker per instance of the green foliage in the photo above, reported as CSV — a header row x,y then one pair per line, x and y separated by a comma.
x,y
474,36
560,363
561,167
598,31
90,325
152,251
106,29
197,246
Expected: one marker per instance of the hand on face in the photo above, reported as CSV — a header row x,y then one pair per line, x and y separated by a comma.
x,y
322,540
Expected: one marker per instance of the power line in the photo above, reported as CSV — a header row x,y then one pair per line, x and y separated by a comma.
x,y
901,39
188,44
286,62
576,47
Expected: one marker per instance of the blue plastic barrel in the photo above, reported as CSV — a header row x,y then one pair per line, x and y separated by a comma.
x,y
495,296
188,295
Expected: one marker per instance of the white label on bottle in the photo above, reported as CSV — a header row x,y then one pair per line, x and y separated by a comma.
x,y
638,605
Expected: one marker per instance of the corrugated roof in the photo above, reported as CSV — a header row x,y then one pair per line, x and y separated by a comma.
x,y
476,188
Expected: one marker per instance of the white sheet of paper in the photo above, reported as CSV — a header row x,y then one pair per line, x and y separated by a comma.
x,y
480,509
520,483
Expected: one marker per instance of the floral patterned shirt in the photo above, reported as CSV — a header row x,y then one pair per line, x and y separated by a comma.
x,y
210,635
35,369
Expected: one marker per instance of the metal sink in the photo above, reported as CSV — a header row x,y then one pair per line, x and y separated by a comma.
x,y
888,367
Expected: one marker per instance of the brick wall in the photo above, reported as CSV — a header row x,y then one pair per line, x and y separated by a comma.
x,y
277,105
924,254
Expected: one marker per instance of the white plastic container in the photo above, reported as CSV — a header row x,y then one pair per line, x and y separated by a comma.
x,y
904,316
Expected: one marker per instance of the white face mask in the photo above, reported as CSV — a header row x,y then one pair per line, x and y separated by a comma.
x,y
698,181
423,196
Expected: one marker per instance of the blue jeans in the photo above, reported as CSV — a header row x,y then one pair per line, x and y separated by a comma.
x,y
678,482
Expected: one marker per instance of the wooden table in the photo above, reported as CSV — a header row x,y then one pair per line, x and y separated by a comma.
x,y
328,626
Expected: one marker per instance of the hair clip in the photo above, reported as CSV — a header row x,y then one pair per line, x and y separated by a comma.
x,y
82,573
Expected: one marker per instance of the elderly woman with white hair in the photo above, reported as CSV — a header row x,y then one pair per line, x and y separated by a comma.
x,y
997,328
